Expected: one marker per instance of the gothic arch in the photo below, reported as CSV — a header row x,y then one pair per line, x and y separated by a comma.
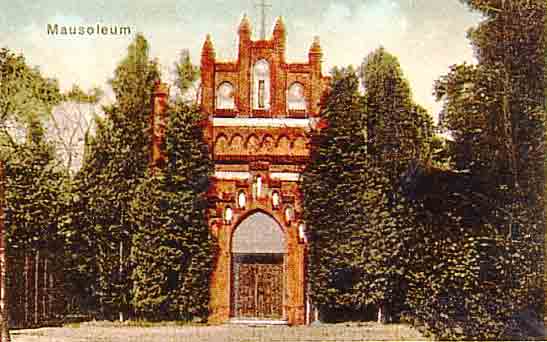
x,y
299,145
268,143
236,144
283,144
261,85
221,144
252,144
283,141
225,98
258,233
296,98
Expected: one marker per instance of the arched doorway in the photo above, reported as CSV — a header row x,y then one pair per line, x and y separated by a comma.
x,y
258,253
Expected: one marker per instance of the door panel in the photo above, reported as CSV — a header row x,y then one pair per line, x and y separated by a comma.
x,y
246,291
258,287
270,290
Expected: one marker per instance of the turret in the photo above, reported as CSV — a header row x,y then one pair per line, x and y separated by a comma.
x,y
207,76
279,36
158,122
244,29
315,54
208,51
314,57
244,60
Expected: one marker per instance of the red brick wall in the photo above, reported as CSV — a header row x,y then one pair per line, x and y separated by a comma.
x,y
158,124
259,151
283,74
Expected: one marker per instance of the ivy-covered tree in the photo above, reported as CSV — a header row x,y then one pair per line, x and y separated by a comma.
x,y
34,183
502,104
36,199
399,138
331,188
494,111
84,244
172,247
398,129
352,189
26,96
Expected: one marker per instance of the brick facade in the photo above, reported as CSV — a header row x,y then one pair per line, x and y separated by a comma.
x,y
271,142
259,112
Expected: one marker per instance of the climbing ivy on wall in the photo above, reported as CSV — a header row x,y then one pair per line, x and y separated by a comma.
x,y
172,247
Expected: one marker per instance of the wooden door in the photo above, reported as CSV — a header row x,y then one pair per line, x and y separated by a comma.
x,y
258,288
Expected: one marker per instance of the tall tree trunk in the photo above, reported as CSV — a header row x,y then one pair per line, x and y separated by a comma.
x,y
383,313
50,295
36,290
4,329
27,289
380,316
121,272
45,292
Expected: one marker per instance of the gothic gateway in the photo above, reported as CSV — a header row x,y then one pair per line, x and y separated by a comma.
x,y
260,111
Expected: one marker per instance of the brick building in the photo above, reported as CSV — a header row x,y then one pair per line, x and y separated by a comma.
x,y
259,112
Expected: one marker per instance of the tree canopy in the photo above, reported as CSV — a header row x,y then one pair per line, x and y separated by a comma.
x,y
358,164
114,165
172,247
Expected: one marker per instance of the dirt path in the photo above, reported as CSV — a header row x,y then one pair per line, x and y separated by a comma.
x,y
336,332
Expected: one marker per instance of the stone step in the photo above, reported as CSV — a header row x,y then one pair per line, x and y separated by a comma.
x,y
257,322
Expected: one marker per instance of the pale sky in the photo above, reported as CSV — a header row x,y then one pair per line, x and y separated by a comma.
x,y
426,35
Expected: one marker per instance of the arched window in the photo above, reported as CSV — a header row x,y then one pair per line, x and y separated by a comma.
x,y
241,199
302,233
225,96
257,187
261,85
275,199
295,97
228,215
289,214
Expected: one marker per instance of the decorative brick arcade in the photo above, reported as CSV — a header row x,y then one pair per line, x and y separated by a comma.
x,y
260,112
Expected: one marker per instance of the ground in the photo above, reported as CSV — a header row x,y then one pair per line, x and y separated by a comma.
x,y
110,332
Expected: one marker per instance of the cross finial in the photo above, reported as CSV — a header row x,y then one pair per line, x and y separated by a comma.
x,y
263,5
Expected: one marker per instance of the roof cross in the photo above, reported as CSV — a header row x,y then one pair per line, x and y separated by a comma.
x,y
263,5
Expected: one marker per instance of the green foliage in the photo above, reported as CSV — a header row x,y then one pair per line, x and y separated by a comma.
x,y
330,182
115,163
25,95
133,79
77,95
494,111
545,169
441,152
140,242
186,75
36,188
359,250
35,195
458,284
398,129
35,214
172,248
472,104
